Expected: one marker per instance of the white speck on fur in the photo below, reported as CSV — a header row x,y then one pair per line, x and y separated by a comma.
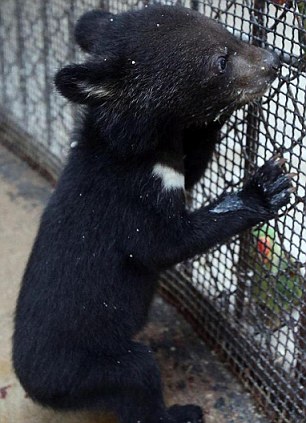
x,y
133,62
73,144
171,179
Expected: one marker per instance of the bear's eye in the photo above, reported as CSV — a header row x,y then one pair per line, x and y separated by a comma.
x,y
222,62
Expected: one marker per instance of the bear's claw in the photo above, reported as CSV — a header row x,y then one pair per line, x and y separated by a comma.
x,y
272,184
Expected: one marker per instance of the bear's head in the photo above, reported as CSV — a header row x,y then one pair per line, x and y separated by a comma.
x,y
162,65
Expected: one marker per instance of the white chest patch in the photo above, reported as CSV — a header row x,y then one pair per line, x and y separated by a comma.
x,y
171,179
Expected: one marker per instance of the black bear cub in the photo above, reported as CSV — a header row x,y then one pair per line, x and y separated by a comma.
x,y
154,90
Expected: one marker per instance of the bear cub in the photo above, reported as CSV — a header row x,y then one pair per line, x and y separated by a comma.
x,y
155,89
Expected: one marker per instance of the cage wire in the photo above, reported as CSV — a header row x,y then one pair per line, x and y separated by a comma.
x,y
246,298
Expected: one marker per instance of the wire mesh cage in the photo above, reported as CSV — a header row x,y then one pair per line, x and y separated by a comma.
x,y
246,298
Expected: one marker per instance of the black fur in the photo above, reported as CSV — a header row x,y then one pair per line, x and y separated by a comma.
x,y
153,88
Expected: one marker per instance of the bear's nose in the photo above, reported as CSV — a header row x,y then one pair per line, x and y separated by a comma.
x,y
272,60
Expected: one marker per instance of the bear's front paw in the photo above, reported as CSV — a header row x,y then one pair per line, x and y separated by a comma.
x,y
186,413
270,186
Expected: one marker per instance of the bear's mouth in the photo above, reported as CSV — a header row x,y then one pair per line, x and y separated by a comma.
x,y
250,95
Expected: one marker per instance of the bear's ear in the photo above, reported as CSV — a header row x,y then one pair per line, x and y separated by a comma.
x,y
93,31
84,83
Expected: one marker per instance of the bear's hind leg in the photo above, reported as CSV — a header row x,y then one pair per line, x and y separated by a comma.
x,y
126,383
129,385
141,398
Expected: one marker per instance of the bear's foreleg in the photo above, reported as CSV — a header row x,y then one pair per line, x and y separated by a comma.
x,y
196,232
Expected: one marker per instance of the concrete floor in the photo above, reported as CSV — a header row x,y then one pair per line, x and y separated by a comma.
x,y
191,373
